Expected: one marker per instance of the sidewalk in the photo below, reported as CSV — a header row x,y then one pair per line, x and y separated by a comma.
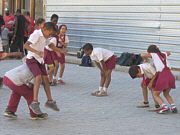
x,y
75,60
83,114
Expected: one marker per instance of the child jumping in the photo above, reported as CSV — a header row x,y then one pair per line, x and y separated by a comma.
x,y
165,79
63,41
108,62
147,71
36,44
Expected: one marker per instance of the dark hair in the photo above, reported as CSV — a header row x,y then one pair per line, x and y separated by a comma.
x,y
39,21
154,49
50,26
62,26
56,33
88,46
18,11
28,13
133,71
54,16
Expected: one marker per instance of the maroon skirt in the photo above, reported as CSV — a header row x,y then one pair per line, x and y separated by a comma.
x,y
165,80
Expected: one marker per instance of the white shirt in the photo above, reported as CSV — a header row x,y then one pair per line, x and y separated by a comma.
x,y
38,43
4,34
148,70
99,54
20,75
158,63
52,40
66,40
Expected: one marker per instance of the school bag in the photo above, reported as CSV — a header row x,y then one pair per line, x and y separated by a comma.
x,y
122,58
138,59
80,53
86,61
129,61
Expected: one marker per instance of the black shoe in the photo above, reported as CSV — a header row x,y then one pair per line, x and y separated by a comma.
x,y
9,114
52,84
39,117
1,82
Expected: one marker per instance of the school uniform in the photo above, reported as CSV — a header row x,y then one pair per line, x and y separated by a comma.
x,y
16,79
165,78
34,61
148,70
99,54
61,59
48,58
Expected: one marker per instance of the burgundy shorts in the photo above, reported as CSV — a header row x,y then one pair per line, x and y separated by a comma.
x,y
110,64
59,59
148,81
48,57
35,67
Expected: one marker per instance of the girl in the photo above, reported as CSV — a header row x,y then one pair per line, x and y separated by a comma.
x,y
54,19
63,40
40,23
165,79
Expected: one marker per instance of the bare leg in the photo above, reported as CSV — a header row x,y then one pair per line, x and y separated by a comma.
x,y
167,96
4,55
103,79
46,87
157,97
145,93
36,87
56,67
156,103
50,72
108,79
62,70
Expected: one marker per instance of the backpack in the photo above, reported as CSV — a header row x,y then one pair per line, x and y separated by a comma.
x,y
122,58
138,60
86,61
80,53
130,60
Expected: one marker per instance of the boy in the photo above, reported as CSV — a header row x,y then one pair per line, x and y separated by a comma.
x,y
16,79
108,62
35,46
145,70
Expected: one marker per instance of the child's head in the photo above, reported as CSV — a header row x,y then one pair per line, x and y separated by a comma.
x,y
88,48
40,22
62,29
135,72
49,29
54,19
154,49
56,34
11,24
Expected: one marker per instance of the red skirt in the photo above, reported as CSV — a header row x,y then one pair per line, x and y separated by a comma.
x,y
165,80
48,57
148,81
56,57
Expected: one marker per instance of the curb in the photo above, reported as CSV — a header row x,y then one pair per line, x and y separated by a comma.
x,y
75,60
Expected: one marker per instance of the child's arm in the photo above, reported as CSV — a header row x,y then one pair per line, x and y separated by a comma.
x,y
58,54
26,46
103,65
99,66
51,45
18,54
152,80
168,53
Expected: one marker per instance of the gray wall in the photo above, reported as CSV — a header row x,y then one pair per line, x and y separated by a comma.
x,y
121,25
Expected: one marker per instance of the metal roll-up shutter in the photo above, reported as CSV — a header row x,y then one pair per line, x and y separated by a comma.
x,y
121,25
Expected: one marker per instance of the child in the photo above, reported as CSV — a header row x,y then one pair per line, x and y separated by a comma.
x,y
54,19
63,41
165,79
40,23
108,62
16,79
35,44
145,70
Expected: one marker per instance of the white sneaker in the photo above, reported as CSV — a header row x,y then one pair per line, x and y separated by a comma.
x,y
153,109
142,105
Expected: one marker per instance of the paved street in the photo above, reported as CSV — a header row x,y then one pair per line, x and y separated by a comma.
x,y
83,114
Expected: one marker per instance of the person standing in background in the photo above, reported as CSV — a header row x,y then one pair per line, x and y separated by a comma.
x,y
7,17
33,24
2,25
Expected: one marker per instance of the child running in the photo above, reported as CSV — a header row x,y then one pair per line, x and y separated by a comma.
x,y
147,71
63,41
17,80
165,79
35,46
40,23
108,62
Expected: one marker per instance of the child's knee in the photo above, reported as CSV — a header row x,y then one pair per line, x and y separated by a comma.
x,y
62,66
38,78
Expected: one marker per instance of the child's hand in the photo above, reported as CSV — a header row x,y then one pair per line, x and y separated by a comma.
x,y
41,54
150,85
107,74
58,54
65,51
62,43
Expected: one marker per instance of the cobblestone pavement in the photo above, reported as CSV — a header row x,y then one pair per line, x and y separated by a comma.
x,y
83,114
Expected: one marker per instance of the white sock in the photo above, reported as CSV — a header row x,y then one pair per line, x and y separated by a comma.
x,y
100,88
105,89
164,105
59,78
54,77
173,105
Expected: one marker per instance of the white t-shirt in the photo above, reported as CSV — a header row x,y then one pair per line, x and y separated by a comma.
x,y
148,70
20,75
158,63
66,40
52,40
4,35
38,43
99,54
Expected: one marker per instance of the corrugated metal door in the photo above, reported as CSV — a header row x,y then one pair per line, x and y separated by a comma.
x,y
121,25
